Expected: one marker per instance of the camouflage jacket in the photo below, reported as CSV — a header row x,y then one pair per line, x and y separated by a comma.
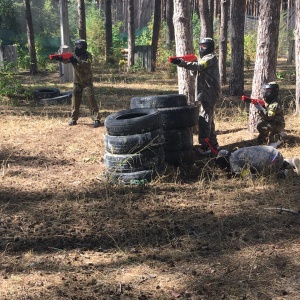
x,y
82,69
206,70
257,159
273,113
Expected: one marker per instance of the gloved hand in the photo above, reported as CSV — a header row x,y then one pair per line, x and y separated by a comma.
x,y
73,60
259,107
176,61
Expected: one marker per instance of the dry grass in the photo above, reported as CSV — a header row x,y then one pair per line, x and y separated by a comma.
x,y
194,234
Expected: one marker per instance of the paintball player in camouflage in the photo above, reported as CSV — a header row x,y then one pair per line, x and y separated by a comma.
x,y
83,79
208,90
272,120
256,160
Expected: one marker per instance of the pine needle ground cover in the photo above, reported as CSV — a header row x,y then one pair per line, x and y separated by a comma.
x,y
193,233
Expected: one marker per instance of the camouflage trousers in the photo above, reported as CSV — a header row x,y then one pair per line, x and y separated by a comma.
x,y
77,98
268,132
207,124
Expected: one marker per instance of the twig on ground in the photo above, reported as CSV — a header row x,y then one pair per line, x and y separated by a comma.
x,y
280,209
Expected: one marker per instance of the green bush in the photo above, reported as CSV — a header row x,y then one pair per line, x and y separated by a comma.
x,y
95,31
250,40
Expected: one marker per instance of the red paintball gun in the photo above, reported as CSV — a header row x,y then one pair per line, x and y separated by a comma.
x,y
66,55
253,101
188,57
213,150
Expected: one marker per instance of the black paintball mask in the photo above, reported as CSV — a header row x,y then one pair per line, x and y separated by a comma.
x,y
80,47
270,91
223,160
206,46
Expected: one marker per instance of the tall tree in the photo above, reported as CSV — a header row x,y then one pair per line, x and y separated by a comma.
x,y
290,28
131,33
184,45
108,31
206,12
81,19
266,53
170,26
223,39
297,55
30,37
155,33
236,82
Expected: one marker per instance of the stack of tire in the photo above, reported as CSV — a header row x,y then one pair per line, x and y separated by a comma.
x,y
46,96
178,120
134,149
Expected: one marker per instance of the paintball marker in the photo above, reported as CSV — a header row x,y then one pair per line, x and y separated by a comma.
x,y
188,57
213,150
66,55
253,101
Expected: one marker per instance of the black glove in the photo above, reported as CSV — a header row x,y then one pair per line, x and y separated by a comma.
x,y
59,58
176,61
73,60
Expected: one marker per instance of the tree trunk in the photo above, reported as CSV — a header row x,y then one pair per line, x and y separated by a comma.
x,y
108,32
206,18
131,33
223,40
266,53
30,38
236,82
217,9
297,56
184,45
81,19
170,26
155,33
290,28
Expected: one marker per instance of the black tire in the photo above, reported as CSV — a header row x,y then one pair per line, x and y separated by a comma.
x,y
159,101
133,143
64,98
127,178
45,93
179,157
128,163
178,139
133,121
179,117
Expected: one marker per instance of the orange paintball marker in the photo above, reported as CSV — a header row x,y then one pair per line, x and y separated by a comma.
x,y
188,57
253,101
60,57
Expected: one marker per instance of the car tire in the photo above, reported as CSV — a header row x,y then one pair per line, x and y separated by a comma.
x,y
179,157
135,162
179,117
159,101
45,93
178,139
133,121
126,144
127,178
64,98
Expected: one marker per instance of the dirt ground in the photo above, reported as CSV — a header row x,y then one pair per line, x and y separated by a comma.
x,y
193,233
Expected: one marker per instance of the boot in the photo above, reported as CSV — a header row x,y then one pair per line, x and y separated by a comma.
x,y
97,123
